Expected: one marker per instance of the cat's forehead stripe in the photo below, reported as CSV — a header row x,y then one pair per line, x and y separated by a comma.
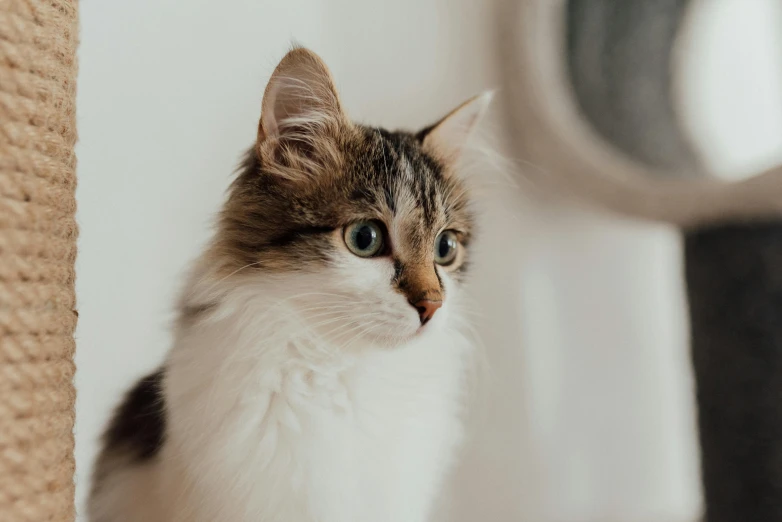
x,y
413,174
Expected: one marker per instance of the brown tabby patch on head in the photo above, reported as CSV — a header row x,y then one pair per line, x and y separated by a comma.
x,y
312,172
283,224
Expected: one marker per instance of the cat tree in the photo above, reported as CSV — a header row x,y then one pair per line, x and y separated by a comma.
x,y
37,250
577,114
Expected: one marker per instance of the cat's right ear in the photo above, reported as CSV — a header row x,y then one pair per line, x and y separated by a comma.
x,y
300,114
447,138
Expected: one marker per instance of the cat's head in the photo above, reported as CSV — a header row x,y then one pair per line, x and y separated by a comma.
x,y
366,231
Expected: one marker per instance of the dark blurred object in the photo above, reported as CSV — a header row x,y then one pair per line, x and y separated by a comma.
x,y
619,59
591,109
734,284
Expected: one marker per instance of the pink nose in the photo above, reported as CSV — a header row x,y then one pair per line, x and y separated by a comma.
x,y
426,309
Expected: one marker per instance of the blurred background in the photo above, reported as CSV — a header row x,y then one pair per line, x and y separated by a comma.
x,y
588,411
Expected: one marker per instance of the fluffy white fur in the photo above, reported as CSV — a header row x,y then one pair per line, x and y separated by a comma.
x,y
305,398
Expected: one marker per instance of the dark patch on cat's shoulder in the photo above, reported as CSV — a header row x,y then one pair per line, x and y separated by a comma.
x,y
139,424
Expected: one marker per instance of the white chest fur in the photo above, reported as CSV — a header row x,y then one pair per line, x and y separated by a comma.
x,y
265,427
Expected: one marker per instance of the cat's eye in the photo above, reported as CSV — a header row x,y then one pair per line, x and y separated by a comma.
x,y
445,247
364,238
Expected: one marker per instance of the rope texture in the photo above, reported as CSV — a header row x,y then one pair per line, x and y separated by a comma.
x,y
37,251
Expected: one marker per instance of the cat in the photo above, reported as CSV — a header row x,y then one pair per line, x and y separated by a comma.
x,y
319,361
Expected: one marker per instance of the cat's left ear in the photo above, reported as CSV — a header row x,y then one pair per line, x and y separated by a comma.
x,y
301,119
299,99
447,138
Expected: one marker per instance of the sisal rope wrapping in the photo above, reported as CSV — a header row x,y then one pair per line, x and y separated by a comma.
x,y
37,251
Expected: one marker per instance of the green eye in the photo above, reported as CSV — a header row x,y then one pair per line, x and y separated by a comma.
x,y
364,238
445,247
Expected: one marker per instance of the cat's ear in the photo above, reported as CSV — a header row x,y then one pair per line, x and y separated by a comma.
x,y
300,110
447,138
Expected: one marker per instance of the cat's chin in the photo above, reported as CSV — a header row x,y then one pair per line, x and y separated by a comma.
x,y
399,340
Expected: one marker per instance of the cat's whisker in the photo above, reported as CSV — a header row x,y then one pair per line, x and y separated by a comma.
x,y
357,320
303,311
337,333
296,315
287,300
365,330
219,281
325,322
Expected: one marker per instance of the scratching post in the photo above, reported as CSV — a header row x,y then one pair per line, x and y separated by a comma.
x,y
37,252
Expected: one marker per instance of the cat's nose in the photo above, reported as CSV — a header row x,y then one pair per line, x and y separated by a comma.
x,y
426,309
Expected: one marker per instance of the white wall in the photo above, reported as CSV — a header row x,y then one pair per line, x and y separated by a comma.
x,y
587,416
